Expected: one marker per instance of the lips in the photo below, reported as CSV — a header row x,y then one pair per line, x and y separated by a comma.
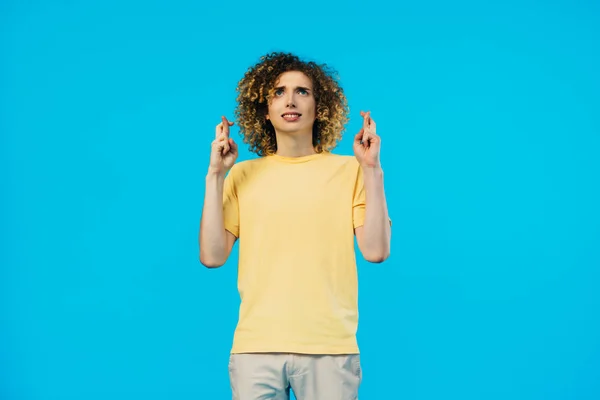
x,y
291,116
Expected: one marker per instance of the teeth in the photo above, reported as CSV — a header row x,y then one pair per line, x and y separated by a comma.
x,y
291,115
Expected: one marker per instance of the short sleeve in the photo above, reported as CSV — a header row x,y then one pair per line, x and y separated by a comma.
x,y
231,214
358,199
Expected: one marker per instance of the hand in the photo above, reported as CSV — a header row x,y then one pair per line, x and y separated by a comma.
x,y
224,150
367,144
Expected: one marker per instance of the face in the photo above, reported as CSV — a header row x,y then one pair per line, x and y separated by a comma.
x,y
292,108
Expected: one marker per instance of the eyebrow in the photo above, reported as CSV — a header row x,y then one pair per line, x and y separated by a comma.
x,y
296,88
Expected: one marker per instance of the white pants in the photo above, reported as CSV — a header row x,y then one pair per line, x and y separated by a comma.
x,y
262,376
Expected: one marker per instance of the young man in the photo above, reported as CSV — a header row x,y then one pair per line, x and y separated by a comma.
x,y
295,210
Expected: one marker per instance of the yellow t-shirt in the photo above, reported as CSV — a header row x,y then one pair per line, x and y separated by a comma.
x,y
297,277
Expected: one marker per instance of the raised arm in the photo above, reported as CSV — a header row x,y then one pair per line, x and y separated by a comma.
x,y
374,237
215,242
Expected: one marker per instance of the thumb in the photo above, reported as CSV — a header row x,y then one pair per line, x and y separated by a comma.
x,y
358,137
233,144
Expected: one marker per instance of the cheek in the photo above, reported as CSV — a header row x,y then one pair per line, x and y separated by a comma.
x,y
271,109
274,105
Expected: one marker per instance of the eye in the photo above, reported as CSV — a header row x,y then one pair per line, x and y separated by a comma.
x,y
278,92
302,92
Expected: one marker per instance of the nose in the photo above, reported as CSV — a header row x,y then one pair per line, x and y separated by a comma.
x,y
290,100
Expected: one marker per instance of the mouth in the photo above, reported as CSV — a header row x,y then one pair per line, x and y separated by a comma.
x,y
291,116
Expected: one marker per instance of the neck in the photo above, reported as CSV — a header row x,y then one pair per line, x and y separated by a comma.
x,y
294,144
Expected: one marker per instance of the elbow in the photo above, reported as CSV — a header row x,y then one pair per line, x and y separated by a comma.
x,y
378,256
209,262
374,248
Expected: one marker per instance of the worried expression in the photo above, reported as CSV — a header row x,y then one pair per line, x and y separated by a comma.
x,y
292,107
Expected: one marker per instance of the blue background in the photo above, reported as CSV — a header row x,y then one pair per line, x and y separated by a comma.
x,y
489,116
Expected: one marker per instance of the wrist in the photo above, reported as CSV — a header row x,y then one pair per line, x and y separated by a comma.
x,y
372,170
215,173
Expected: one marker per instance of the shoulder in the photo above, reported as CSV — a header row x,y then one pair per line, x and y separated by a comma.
x,y
246,165
243,169
341,159
345,162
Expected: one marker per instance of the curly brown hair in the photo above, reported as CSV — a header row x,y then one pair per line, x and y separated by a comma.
x,y
256,88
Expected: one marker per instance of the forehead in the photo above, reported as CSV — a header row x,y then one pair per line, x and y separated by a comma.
x,y
294,78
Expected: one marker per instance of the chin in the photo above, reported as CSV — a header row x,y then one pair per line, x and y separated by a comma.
x,y
294,129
